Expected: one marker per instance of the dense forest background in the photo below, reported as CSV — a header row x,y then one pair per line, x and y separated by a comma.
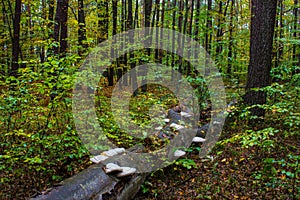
x,y
254,44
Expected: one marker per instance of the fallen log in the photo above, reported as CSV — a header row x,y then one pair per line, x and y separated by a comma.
x,y
93,183
87,184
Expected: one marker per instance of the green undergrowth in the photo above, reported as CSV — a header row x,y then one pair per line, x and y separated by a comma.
x,y
257,162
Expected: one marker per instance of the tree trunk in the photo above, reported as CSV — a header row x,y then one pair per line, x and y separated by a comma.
x,y
296,54
179,40
30,32
160,54
197,23
157,6
124,28
136,14
133,77
184,31
219,30
173,36
82,29
190,30
42,47
191,19
221,18
114,32
16,38
102,7
261,42
230,45
208,32
60,34
208,36
147,11
51,16
280,45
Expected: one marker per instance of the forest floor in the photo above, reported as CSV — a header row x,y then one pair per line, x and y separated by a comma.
x,y
245,164
233,173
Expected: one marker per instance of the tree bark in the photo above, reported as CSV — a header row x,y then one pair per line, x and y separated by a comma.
x,y
130,24
208,32
124,28
114,32
60,34
102,35
16,38
136,14
197,23
157,8
147,11
173,36
160,53
82,29
51,16
230,45
296,54
261,43
179,40
280,45
221,18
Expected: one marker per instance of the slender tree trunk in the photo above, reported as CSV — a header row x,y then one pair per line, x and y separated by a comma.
x,y
190,31
279,26
189,70
102,35
157,5
16,38
179,40
219,30
221,18
197,23
208,35
186,16
136,14
50,25
82,29
120,60
114,32
230,45
160,54
51,16
60,34
133,77
30,32
173,36
42,47
124,28
261,43
147,11
208,32
154,14
296,48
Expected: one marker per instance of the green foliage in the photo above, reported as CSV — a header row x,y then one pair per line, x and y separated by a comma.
x,y
201,90
281,173
186,163
39,143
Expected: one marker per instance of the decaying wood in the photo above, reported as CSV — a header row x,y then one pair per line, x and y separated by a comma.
x,y
85,185
93,183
